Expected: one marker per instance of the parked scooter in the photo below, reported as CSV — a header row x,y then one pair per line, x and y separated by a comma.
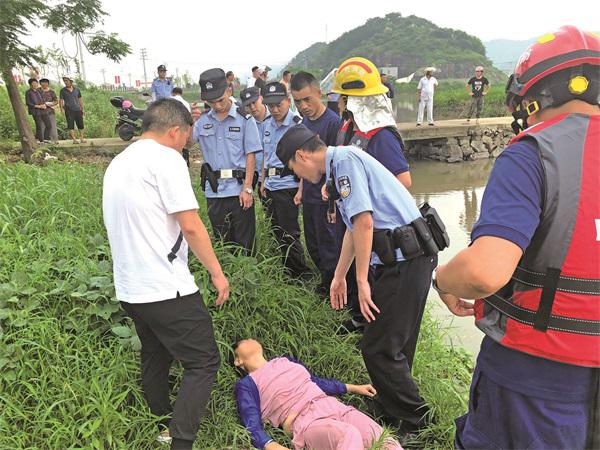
x,y
129,118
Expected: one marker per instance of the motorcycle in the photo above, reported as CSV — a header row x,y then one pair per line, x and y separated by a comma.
x,y
129,118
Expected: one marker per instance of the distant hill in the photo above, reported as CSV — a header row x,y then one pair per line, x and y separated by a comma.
x,y
505,53
408,43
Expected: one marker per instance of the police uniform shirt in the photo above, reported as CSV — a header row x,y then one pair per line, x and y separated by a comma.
x,y
261,132
364,184
271,136
162,88
225,145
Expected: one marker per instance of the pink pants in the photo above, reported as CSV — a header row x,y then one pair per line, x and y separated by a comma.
x,y
328,424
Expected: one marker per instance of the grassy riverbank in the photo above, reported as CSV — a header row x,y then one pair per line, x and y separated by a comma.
x,y
68,357
451,100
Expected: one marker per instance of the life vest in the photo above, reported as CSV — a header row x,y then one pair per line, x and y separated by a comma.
x,y
551,306
347,136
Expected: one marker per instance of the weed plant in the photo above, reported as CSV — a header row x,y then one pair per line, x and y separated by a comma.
x,y
68,355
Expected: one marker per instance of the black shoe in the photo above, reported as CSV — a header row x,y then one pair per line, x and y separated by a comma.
x,y
352,326
418,124
409,441
431,124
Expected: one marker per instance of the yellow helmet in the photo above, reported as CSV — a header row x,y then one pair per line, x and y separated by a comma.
x,y
358,77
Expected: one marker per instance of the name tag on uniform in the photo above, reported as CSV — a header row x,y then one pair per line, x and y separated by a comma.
x,y
272,171
236,129
226,173
208,126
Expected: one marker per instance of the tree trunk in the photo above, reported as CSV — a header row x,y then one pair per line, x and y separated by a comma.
x,y
28,142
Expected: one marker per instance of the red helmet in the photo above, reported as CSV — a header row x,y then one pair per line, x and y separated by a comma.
x,y
543,67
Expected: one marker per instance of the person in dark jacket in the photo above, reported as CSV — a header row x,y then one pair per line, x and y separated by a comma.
x,y
283,392
37,109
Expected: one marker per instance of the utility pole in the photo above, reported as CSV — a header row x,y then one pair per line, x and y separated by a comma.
x,y
103,77
78,39
326,34
129,75
144,58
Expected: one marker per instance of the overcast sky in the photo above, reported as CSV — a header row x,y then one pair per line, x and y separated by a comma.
x,y
196,35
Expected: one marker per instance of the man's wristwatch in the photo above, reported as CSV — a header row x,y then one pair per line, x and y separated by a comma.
x,y
434,282
248,190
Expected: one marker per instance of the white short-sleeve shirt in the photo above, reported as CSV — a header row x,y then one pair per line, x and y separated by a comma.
x,y
143,187
427,86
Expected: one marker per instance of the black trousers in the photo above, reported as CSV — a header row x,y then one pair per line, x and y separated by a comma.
x,y
388,344
230,223
321,241
181,329
351,286
283,214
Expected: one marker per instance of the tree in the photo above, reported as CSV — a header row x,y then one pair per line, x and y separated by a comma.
x,y
69,16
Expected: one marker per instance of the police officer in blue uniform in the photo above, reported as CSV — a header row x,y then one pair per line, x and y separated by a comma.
x,y
279,186
229,140
252,101
383,223
162,87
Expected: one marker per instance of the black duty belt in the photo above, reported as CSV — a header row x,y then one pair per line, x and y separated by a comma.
x,y
225,174
273,171
528,317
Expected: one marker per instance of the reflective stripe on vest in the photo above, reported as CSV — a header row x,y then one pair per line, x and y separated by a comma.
x,y
360,139
551,306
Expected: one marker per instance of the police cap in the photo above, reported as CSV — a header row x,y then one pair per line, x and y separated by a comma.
x,y
213,83
293,139
249,95
273,93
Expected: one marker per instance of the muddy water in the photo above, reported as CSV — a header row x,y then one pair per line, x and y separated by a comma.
x,y
455,190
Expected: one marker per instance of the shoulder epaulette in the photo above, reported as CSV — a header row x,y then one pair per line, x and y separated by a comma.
x,y
241,112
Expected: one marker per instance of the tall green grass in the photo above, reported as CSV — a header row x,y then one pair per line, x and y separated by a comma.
x,y
68,355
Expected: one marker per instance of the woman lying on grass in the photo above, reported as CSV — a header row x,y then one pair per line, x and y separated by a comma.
x,y
283,392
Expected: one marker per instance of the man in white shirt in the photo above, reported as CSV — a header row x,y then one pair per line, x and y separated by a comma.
x,y
151,216
177,94
425,91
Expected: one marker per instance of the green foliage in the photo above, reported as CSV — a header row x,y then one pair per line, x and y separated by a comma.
x,y
100,115
68,362
409,43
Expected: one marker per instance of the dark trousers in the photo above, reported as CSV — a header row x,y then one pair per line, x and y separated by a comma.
x,y
499,417
388,344
42,122
230,223
320,239
283,214
476,107
351,286
181,329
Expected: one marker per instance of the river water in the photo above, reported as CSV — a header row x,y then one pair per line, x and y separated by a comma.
x,y
455,190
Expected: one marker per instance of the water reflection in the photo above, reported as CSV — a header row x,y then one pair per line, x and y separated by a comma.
x,y
455,190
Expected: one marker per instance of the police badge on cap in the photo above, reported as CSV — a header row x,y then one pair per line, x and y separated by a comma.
x,y
249,95
212,84
273,93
